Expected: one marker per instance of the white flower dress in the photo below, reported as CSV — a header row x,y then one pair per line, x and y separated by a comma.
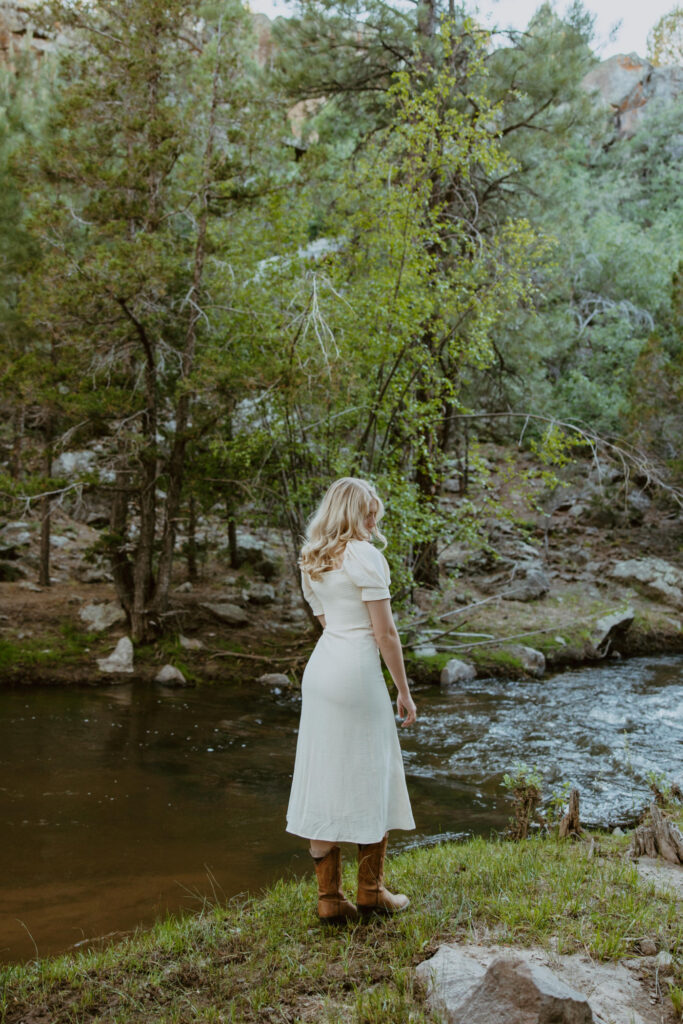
x,y
349,783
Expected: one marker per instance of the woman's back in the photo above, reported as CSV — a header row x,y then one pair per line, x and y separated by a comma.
x,y
339,594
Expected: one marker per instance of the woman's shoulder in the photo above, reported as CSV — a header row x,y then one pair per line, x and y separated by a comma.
x,y
363,549
362,556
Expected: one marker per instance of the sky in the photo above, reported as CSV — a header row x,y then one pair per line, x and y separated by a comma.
x,y
636,18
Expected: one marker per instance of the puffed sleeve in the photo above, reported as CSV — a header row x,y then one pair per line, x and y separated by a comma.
x,y
368,569
310,595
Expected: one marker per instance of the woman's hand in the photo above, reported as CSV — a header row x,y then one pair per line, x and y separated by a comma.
x,y
406,710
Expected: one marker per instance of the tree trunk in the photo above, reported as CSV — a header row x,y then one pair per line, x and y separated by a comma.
x,y
660,837
16,461
176,467
426,568
45,508
570,824
232,540
192,571
121,568
143,563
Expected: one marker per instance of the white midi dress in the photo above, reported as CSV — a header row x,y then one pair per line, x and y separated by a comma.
x,y
349,784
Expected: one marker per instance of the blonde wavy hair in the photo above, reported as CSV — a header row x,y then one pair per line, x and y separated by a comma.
x,y
339,518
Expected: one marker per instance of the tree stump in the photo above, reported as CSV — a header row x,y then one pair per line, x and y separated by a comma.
x,y
570,824
660,837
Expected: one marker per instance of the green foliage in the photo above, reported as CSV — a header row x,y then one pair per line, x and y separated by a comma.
x,y
525,788
231,320
665,38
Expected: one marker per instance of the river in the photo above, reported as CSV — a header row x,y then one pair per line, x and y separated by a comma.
x,y
118,804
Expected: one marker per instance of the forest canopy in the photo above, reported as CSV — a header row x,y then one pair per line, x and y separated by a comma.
x,y
230,272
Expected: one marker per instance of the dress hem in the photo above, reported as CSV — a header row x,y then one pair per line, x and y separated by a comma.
x,y
343,838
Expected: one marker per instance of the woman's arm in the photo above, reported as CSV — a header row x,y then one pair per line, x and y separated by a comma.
x,y
389,643
321,620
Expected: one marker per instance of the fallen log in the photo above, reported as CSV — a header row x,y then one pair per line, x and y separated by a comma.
x,y
659,837
570,824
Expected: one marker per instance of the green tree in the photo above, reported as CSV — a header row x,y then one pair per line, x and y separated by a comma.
x,y
665,39
155,138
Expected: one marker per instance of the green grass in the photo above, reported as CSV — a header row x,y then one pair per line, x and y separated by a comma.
x,y
68,645
267,959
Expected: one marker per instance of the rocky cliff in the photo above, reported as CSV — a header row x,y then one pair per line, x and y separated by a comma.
x,y
19,30
633,88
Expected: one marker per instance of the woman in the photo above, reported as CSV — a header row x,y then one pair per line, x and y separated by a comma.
x,y
349,784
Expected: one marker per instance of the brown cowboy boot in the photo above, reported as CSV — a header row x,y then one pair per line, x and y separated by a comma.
x,y
372,896
332,903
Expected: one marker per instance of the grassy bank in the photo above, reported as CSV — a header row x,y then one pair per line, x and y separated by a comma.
x,y
267,959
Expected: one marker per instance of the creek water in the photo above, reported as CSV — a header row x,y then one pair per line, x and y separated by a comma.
x,y
119,804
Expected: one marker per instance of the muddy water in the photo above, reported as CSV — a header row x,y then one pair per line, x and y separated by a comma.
x,y
119,804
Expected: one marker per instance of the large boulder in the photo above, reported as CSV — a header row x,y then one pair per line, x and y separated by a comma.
x,y
633,88
612,627
102,616
231,614
171,676
260,593
531,661
526,993
578,988
529,582
657,578
120,661
16,535
456,671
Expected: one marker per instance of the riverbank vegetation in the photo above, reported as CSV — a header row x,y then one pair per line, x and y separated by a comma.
x,y
392,240
266,958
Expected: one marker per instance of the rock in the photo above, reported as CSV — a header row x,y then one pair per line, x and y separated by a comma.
x,y
99,617
10,573
260,593
16,538
618,831
71,464
231,614
16,524
657,578
25,585
190,644
612,991
449,977
56,541
121,658
531,660
424,650
612,627
514,990
456,671
184,588
274,679
169,675
647,946
638,503
10,553
530,581
89,574
628,85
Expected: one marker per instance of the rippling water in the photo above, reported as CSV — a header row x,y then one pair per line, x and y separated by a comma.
x,y
117,804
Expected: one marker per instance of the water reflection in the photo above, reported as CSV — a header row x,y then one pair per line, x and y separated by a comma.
x,y
120,803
